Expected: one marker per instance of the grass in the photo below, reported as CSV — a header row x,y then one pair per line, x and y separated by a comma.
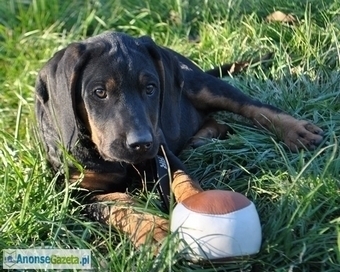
x,y
296,194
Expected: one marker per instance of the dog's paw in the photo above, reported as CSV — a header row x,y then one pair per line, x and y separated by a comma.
x,y
118,210
148,229
196,142
302,134
210,129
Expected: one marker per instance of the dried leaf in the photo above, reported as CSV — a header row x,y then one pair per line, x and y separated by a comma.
x,y
279,16
238,66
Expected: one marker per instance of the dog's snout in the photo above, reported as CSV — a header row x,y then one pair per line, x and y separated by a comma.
x,y
141,146
139,142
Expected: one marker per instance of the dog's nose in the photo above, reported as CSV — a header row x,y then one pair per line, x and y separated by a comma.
x,y
139,142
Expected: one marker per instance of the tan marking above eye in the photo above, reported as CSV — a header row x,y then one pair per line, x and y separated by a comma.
x,y
111,84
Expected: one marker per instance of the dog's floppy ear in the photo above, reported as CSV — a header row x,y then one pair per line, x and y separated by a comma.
x,y
55,90
171,80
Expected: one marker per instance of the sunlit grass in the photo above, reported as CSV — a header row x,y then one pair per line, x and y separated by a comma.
x,y
297,195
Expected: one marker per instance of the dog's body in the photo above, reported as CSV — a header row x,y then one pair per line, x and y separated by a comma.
x,y
113,100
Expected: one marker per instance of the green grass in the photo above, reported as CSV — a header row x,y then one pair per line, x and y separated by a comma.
x,y
297,195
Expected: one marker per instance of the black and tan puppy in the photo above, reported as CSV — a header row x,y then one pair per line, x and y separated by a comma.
x,y
113,100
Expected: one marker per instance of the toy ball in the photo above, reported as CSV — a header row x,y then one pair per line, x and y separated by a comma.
x,y
217,226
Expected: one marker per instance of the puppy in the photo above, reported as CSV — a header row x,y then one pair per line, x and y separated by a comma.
x,y
116,102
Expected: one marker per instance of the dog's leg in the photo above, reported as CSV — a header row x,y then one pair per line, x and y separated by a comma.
x,y
99,182
117,209
210,129
183,186
209,94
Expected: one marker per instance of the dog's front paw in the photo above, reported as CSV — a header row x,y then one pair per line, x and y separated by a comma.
x,y
302,134
118,210
144,228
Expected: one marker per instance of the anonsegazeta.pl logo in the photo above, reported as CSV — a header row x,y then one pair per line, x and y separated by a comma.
x,y
47,259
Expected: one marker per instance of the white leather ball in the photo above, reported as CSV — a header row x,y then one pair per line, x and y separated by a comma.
x,y
216,225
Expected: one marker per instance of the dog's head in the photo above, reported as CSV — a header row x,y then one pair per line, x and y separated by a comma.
x,y
122,89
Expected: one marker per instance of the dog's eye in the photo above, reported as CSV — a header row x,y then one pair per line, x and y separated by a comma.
x,y
150,89
101,93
